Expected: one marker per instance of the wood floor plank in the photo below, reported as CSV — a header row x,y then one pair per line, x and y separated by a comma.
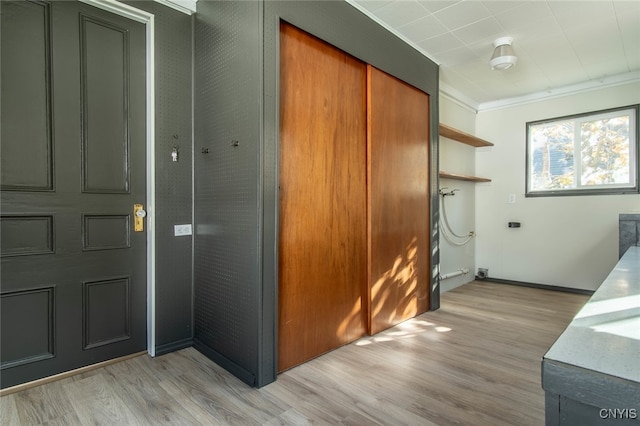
x,y
200,412
314,402
42,404
154,402
289,417
231,394
8,411
474,361
96,401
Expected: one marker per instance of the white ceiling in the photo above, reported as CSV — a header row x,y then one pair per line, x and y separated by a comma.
x,y
562,46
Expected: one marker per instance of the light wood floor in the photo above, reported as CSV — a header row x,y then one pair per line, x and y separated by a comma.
x,y
476,361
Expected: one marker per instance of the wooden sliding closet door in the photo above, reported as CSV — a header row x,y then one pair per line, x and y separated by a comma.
x,y
322,225
398,151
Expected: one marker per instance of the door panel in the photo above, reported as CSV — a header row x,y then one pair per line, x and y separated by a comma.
x,y
26,235
105,232
398,150
34,309
106,299
322,225
26,92
73,271
104,81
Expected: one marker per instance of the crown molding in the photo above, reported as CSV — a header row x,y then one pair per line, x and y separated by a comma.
x,y
461,99
458,97
574,89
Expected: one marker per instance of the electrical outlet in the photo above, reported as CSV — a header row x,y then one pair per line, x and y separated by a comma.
x,y
180,230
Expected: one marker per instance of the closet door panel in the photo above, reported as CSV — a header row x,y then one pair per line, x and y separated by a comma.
x,y
398,155
322,185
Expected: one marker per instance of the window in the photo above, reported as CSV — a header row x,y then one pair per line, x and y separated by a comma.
x,y
593,153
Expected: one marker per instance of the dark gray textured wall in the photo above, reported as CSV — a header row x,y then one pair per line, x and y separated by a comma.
x,y
173,203
236,198
227,150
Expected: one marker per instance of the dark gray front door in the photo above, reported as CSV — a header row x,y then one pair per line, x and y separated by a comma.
x,y
73,273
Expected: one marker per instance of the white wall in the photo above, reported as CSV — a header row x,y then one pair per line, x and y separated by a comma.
x,y
457,158
569,241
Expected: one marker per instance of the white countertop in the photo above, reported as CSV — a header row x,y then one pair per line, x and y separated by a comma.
x,y
605,335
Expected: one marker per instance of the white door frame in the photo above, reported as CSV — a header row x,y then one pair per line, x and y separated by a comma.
x,y
148,20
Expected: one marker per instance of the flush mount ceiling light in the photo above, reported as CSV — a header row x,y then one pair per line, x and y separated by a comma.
x,y
503,56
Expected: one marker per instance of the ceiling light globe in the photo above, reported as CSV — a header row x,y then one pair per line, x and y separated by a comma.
x,y
502,63
503,56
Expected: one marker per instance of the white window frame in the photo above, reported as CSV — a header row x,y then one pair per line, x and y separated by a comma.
x,y
634,160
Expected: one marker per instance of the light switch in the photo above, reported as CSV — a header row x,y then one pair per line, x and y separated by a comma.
x,y
180,230
512,198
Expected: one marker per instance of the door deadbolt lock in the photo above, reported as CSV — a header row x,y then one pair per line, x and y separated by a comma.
x,y
138,217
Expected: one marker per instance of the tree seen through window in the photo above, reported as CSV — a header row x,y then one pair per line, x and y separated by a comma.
x,y
597,152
